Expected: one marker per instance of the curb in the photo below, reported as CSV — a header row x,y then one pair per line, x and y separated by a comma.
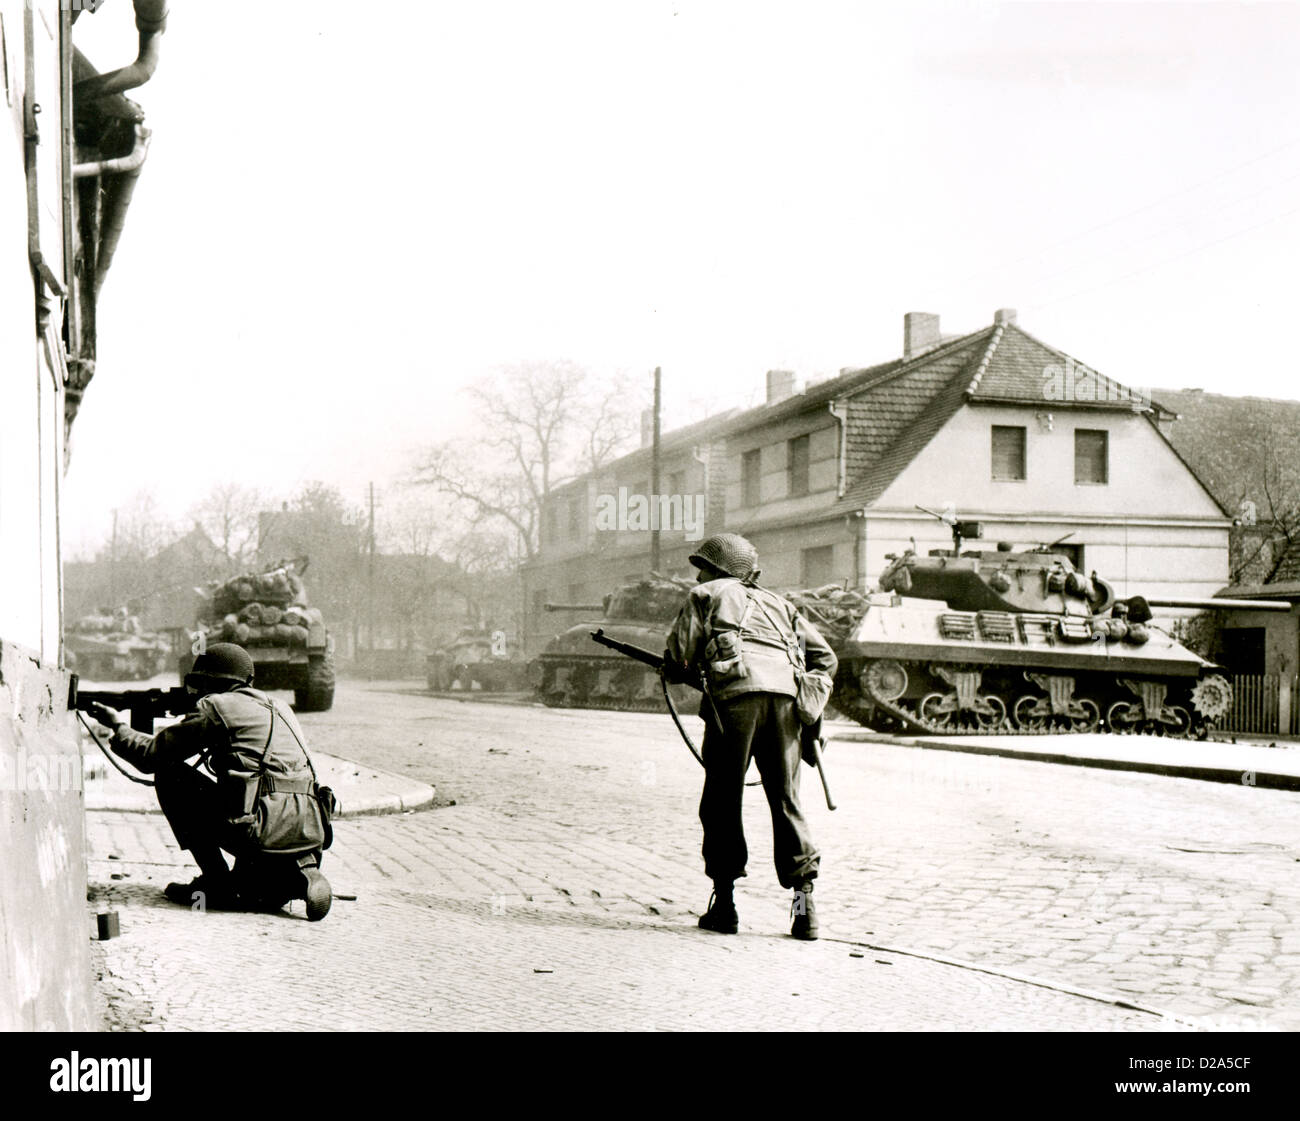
x,y
1269,780
409,797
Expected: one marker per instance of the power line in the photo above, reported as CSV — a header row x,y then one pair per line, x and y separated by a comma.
x,y
1131,213
1167,260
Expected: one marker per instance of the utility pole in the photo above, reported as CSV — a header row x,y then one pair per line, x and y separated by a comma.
x,y
112,567
655,505
370,590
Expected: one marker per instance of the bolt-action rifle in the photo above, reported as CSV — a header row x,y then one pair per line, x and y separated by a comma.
x,y
811,734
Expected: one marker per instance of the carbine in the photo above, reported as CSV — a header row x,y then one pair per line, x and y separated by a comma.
x,y
811,737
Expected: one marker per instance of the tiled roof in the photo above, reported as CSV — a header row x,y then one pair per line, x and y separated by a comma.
x,y
1019,367
892,420
1241,447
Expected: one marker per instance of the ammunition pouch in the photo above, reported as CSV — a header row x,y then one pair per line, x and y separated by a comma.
x,y
725,657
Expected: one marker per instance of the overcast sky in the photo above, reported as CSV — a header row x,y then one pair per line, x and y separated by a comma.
x,y
351,210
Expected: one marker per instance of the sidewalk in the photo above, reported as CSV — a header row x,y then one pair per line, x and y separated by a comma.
x,y
1275,768
360,789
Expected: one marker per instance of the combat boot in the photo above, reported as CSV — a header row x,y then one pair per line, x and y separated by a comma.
x,y
205,893
803,913
316,891
721,916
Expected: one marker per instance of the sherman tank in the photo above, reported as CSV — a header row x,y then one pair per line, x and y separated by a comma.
x,y
112,646
476,657
1017,640
573,672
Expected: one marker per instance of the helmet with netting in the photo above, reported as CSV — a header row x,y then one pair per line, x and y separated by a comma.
x,y
224,661
729,553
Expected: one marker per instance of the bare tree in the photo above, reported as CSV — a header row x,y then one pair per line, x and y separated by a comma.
x,y
229,516
1267,541
539,424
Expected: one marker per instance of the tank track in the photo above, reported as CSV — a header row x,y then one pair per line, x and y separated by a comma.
x,y
864,697
604,683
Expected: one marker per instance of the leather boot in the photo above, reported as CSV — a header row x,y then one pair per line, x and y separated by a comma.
x,y
803,913
721,916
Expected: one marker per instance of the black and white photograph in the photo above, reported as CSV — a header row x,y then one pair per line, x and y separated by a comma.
x,y
661,516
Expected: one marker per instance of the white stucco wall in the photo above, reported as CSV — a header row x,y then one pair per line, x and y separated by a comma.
x,y
1151,529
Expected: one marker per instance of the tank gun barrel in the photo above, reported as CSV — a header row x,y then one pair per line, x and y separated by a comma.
x,y
573,607
1217,604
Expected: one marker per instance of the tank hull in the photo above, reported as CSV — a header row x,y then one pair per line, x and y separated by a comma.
x,y
573,672
925,668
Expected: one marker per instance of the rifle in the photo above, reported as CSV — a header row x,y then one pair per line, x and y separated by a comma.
x,y
144,705
811,737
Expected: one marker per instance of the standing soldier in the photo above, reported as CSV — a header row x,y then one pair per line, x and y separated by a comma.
x,y
752,648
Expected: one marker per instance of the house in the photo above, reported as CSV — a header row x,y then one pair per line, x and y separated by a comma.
x,y
1244,449
993,425
64,190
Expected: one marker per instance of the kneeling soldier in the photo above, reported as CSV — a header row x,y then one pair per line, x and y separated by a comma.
x,y
262,807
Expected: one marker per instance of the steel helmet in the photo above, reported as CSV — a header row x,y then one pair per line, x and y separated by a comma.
x,y
225,661
729,553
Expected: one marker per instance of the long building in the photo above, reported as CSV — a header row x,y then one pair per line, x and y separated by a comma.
x,y
993,425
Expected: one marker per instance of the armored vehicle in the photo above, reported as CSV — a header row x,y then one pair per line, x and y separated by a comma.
x,y
267,614
475,657
112,646
1010,640
573,672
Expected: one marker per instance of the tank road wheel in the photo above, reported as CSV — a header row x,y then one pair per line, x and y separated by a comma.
x,y
1123,717
581,682
992,713
885,680
938,708
1031,713
318,695
1175,721
1085,716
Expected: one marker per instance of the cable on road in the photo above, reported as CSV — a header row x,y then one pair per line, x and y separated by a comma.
x,y
1023,978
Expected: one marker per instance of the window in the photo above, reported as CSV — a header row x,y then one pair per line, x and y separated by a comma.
x,y
818,566
1090,456
677,482
798,465
750,474
575,513
1008,451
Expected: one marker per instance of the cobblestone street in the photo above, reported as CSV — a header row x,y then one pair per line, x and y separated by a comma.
x,y
561,889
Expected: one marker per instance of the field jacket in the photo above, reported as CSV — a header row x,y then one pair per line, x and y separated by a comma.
x,y
254,747
725,620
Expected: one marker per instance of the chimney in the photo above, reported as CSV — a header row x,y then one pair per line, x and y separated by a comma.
x,y
780,385
647,427
1004,317
920,332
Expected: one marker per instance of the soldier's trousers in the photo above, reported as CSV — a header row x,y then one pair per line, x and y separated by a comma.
x,y
762,726
190,801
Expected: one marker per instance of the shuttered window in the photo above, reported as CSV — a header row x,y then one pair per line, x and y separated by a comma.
x,y
750,468
1008,451
1091,456
798,465
818,566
